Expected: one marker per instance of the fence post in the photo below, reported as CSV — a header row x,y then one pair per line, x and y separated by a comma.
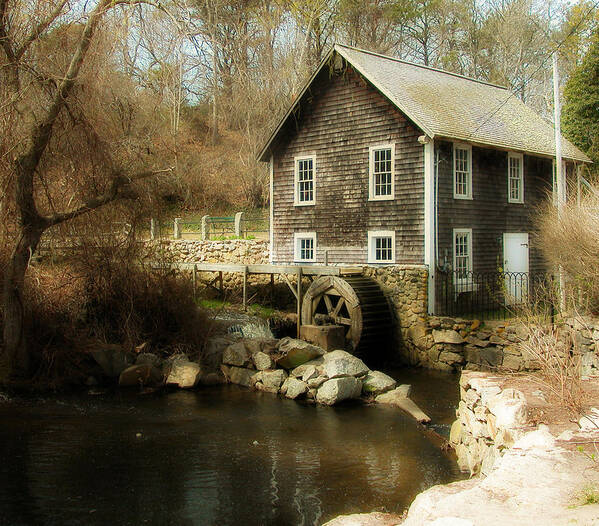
x,y
238,220
152,229
205,233
176,229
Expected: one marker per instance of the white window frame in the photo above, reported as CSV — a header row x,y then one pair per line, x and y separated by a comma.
x,y
468,148
296,186
297,239
470,268
520,178
371,175
372,237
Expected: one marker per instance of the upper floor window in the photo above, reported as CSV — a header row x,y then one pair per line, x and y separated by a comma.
x,y
381,172
515,169
462,253
381,246
462,171
304,187
304,246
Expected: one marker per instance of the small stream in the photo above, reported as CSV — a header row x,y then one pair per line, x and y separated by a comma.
x,y
216,456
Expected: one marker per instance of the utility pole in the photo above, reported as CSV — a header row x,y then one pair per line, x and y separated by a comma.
x,y
560,175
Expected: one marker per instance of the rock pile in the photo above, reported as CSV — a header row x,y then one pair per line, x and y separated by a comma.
x,y
297,369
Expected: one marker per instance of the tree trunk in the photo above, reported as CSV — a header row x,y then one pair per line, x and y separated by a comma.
x,y
16,360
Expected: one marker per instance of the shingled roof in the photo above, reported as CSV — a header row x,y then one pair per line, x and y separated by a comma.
x,y
446,105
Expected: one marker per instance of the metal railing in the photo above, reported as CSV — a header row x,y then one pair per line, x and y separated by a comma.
x,y
492,295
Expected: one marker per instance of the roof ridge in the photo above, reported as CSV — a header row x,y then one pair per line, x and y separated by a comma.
x,y
395,59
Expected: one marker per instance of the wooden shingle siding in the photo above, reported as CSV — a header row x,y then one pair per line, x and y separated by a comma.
x,y
489,214
342,117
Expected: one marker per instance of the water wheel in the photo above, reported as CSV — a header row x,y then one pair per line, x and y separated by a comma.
x,y
357,303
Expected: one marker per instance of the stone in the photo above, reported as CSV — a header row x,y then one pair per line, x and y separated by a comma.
x,y
376,382
498,340
473,340
273,379
341,363
309,373
184,374
315,364
252,345
139,375
511,362
366,519
509,408
112,359
491,356
455,433
240,376
294,353
147,358
447,336
417,334
337,390
236,354
474,325
392,397
410,407
262,361
327,337
450,358
317,382
295,388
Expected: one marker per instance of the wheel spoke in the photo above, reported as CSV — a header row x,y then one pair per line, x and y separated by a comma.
x,y
329,304
339,305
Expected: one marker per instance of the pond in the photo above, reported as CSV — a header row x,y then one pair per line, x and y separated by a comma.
x,y
216,456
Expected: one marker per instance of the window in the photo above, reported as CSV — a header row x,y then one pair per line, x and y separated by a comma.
x,y
515,164
462,171
462,253
304,180
304,246
381,172
381,246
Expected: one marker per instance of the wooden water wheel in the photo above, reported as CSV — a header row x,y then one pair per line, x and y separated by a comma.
x,y
357,303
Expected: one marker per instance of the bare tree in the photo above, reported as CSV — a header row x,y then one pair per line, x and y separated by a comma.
x,y
22,28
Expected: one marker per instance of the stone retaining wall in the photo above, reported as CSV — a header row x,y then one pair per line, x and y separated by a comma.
x,y
450,344
490,418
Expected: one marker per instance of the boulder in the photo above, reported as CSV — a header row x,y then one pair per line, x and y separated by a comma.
x,y
336,390
417,333
308,368
509,408
377,383
240,376
112,359
139,375
295,388
184,374
392,397
316,382
272,380
147,358
262,361
340,363
236,354
294,353
447,336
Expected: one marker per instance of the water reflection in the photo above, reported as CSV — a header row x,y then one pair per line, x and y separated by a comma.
x,y
221,456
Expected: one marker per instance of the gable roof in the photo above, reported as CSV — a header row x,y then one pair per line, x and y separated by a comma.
x,y
447,105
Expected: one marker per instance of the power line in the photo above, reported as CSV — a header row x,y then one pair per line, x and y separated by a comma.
x,y
557,48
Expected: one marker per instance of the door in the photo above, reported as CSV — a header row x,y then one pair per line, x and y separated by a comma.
x,y
515,266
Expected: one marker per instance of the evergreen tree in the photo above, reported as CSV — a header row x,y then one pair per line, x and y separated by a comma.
x,y
580,114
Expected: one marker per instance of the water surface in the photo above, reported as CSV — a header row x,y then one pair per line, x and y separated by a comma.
x,y
216,456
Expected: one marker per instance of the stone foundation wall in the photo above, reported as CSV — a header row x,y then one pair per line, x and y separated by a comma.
x,y
450,344
406,289
490,418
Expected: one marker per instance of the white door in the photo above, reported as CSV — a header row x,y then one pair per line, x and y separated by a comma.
x,y
515,265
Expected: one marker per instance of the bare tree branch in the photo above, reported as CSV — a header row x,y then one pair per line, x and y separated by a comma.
x,y
39,29
118,190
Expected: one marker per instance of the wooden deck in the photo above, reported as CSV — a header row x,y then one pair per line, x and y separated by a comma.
x,y
284,271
